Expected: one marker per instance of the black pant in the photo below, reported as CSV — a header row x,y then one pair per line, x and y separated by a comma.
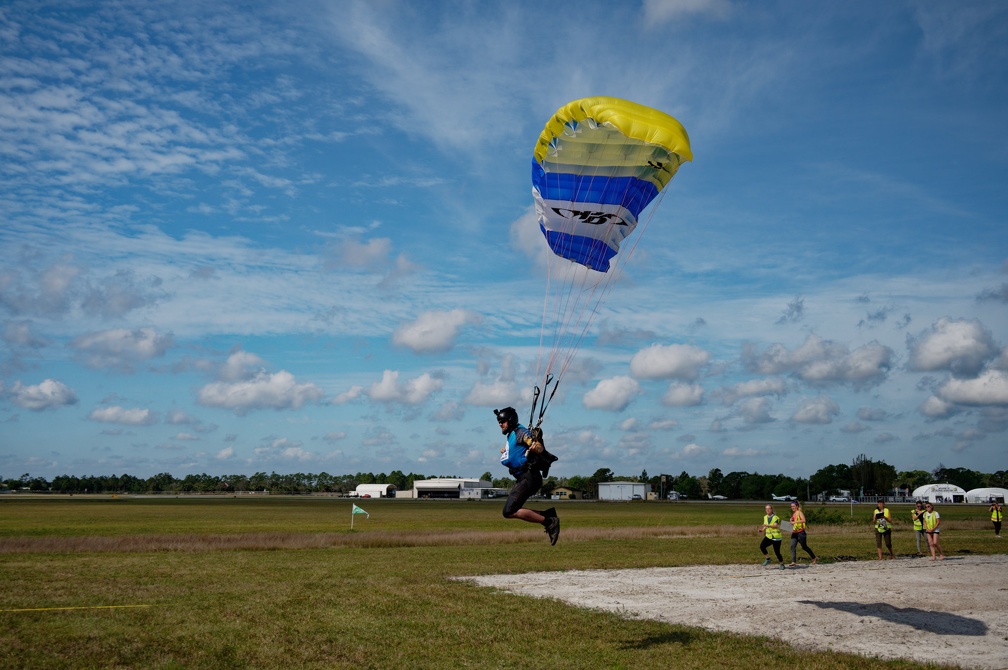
x,y
796,539
527,485
776,548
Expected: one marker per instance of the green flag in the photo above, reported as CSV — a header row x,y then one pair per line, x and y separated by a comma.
x,y
358,510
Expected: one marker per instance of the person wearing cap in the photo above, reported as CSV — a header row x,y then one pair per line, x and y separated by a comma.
x,y
917,514
995,510
882,520
523,456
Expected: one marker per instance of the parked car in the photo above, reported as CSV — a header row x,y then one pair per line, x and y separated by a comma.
x,y
839,499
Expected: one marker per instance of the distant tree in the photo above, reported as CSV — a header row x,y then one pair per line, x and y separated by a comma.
x,y
688,485
714,481
962,477
913,479
731,485
831,479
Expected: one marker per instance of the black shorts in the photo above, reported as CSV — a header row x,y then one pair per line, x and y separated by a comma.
x,y
527,485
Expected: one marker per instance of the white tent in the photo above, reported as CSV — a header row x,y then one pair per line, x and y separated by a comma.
x,y
940,493
376,490
985,495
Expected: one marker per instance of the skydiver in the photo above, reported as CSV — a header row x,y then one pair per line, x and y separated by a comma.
x,y
526,458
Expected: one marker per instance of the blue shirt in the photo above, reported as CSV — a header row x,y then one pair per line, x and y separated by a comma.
x,y
513,457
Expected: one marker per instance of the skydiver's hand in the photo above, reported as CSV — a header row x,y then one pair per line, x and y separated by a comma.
x,y
536,448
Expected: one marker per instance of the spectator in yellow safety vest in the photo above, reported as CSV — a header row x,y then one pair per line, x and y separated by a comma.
x,y
883,529
995,510
771,537
917,514
799,535
932,523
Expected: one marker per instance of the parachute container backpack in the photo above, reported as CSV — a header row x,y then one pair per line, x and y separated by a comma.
x,y
596,167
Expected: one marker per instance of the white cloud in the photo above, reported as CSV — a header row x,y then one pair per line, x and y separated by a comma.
x,y
666,11
673,361
225,454
990,388
411,392
433,332
121,415
816,410
750,388
263,391
936,408
120,347
612,394
755,411
822,362
960,346
48,394
683,395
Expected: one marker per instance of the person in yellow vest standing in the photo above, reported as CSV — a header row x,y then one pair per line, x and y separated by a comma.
x,y
883,529
995,510
917,514
932,526
799,535
771,537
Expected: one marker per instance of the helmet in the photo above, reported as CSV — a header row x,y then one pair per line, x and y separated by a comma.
x,y
507,414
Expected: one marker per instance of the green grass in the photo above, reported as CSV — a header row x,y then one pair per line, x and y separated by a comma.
x,y
282,582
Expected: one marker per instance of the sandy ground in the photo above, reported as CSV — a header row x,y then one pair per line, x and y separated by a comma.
x,y
953,611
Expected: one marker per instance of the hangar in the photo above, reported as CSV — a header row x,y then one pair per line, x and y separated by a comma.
x,y
623,490
987,494
940,493
375,490
452,488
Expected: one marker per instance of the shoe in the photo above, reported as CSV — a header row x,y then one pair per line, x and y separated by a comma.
x,y
553,529
792,565
781,566
551,512
766,562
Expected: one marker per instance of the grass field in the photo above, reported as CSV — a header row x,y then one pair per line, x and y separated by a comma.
x,y
282,582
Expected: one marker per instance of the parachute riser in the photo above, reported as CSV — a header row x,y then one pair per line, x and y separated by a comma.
x,y
536,421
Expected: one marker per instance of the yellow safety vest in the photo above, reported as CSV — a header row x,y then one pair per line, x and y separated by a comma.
x,y
882,520
797,522
996,514
931,520
772,533
918,524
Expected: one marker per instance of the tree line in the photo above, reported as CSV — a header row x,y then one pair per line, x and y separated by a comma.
x,y
863,477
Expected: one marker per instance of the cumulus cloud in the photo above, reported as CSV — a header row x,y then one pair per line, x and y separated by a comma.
x,y
225,454
871,414
989,388
117,295
121,348
263,391
433,332
121,415
683,395
673,361
936,408
48,292
612,394
410,392
755,411
959,346
819,410
751,388
822,362
49,394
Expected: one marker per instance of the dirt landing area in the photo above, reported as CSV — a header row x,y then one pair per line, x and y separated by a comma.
x,y
953,611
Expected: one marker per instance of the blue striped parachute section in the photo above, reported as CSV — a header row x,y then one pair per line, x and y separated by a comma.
x,y
597,164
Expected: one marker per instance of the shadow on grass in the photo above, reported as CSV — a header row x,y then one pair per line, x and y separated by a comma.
x,y
939,623
671,637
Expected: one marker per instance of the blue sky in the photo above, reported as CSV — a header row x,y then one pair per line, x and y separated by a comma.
x,y
299,237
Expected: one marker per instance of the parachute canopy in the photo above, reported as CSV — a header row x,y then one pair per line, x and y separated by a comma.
x,y
597,164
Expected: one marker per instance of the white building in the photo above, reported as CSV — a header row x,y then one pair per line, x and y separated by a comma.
x,y
452,488
940,493
623,491
985,495
375,490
